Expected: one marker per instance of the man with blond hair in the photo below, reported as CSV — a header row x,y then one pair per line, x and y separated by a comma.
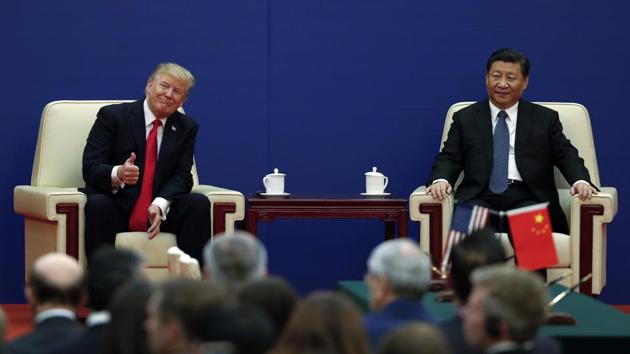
x,y
505,310
54,291
137,167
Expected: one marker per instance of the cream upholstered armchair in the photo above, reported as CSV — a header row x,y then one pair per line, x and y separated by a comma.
x,y
53,207
584,250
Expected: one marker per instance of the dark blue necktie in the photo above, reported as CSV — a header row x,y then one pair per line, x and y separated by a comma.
x,y
499,174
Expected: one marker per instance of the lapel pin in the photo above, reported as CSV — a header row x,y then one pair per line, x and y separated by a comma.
x,y
173,128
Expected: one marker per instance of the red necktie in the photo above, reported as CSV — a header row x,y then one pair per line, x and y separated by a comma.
x,y
139,219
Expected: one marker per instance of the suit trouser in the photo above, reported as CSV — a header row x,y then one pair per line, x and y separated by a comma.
x,y
517,195
188,218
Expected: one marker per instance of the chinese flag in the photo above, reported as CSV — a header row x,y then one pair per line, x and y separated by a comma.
x,y
531,233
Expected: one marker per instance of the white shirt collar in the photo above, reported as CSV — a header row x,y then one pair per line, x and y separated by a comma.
x,y
59,312
97,318
512,112
504,346
149,117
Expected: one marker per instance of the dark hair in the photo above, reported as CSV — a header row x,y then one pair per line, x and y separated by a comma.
x,y
108,270
44,291
478,249
273,296
324,322
189,301
418,338
246,328
126,334
509,55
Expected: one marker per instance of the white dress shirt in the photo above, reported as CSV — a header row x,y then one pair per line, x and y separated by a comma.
x,y
56,312
98,317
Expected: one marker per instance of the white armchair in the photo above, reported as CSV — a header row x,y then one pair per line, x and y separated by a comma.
x,y
581,252
53,207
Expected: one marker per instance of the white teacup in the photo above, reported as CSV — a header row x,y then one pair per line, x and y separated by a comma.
x,y
375,182
274,182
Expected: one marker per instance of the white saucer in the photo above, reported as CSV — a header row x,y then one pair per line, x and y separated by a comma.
x,y
376,194
274,194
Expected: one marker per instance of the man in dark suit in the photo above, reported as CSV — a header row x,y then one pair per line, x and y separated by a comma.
x,y
397,278
54,291
137,167
505,310
515,167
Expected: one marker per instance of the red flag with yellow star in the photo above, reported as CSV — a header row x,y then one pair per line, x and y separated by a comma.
x,y
532,236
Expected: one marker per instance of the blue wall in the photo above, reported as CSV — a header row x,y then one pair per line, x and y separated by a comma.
x,y
324,90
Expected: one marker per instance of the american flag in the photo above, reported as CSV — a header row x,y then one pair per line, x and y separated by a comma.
x,y
466,219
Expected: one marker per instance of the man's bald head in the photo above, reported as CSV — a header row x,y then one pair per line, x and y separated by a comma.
x,y
56,279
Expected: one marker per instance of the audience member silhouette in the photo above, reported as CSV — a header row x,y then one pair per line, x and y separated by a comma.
x,y
55,289
398,276
125,333
324,322
414,338
232,259
273,296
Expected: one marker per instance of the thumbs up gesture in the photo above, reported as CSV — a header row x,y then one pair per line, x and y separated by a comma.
x,y
129,172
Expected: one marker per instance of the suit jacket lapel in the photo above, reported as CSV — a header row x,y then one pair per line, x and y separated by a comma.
x,y
483,121
523,126
139,131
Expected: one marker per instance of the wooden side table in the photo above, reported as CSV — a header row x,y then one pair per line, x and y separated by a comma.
x,y
391,210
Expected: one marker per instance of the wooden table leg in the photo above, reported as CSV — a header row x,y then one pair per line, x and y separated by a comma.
x,y
252,222
403,224
389,229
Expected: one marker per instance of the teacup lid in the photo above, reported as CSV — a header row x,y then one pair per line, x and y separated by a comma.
x,y
374,173
275,172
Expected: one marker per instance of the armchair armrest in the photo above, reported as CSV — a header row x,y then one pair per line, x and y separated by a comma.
x,y
434,217
227,206
54,221
588,236
41,202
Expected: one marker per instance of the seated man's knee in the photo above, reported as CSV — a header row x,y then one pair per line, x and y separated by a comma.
x,y
199,201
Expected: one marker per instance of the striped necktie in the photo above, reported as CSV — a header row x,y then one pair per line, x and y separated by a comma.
x,y
501,151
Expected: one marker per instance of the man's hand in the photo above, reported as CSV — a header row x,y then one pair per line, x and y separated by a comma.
x,y
583,190
155,218
128,172
440,190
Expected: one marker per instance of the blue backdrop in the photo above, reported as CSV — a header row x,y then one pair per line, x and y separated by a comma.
x,y
323,90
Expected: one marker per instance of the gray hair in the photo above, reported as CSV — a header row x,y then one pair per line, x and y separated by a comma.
x,y
519,298
175,70
404,265
235,258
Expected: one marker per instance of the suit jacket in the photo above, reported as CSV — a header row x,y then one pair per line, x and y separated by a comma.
x,y
119,130
453,331
49,333
394,315
539,146
92,340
